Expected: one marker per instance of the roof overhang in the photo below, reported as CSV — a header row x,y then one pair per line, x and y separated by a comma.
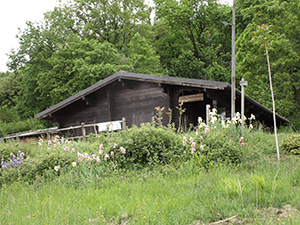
x,y
136,77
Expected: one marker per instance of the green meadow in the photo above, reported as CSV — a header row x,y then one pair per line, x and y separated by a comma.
x,y
152,175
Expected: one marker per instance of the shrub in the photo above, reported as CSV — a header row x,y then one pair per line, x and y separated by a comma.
x,y
37,161
292,145
148,145
19,126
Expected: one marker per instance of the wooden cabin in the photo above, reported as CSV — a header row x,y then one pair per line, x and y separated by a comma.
x,y
134,97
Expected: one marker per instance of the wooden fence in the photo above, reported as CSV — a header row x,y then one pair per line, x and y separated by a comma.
x,y
68,132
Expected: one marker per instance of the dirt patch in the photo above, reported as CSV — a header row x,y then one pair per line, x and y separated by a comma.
x,y
269,215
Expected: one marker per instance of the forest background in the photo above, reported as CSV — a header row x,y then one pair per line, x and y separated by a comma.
x,y
81,42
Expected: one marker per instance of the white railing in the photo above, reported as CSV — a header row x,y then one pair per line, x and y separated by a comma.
x,y
46,133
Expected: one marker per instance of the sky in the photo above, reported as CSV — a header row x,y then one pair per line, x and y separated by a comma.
x,y
15,13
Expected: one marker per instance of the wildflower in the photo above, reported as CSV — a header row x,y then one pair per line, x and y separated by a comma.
x,y
201,125
213,113
101,149
66,149
18,161
3,163
191,140
242,139
115,145
112,153
184,141
252,117
73,150
98,159
40,143
193,150
94,156
123,150
193,145
201,138
196,133
56,168
73,164
200,120
49,143
250,126
206,130
201,147
223,124
106,157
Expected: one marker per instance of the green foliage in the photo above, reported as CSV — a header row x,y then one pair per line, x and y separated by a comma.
x,y
283,51
37,163
149,145
9,88
19,126
142,57
192,31
113,21
292,145
7,115
75,67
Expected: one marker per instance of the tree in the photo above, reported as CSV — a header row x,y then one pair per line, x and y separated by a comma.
x,y
284,49
193,26
76,67
114,21
74,46
142,57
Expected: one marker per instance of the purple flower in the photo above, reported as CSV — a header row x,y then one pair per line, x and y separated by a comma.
x,y
18,161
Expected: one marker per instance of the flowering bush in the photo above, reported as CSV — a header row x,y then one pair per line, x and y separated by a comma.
x,y
217,141
13,161
292,145
148,145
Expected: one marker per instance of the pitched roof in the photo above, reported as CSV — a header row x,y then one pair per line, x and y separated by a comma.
x,y
217,85
137,77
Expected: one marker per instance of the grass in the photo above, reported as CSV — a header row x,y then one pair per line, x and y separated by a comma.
x,y
258,191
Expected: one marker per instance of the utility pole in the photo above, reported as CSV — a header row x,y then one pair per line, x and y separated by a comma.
x,y
233,63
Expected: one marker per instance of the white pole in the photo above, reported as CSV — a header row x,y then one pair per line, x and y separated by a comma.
x,y
243,83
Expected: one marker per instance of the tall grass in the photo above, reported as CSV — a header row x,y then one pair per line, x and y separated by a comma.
x,y
166,195
257,190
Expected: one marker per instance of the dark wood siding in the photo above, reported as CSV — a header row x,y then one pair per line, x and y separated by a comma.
x,y
136,101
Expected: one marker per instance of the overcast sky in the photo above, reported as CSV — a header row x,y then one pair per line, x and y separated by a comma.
x,y
14,14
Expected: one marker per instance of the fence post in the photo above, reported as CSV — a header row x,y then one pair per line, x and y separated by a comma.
x,y
83,131
123,123
18,138
207,113
48,135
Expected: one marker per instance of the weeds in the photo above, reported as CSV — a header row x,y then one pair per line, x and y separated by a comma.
x,y
152,175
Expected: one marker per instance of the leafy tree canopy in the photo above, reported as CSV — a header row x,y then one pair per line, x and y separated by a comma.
x,y
284,48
